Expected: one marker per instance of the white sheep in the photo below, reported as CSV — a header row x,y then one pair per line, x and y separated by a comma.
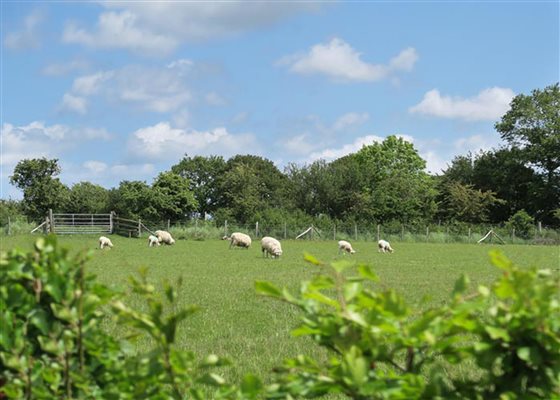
x,y
105,242
164,237
343,245
271,246
153,241
384,246
239,239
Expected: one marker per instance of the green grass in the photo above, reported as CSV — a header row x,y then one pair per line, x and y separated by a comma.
x,y
254,332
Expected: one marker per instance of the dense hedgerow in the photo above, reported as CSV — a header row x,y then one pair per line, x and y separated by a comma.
x,y
53,343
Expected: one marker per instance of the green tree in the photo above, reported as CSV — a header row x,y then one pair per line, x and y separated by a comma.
x,y
204,175
172,196
134,199
86,197
533,125
467,204
250,184
41,190
522,222
396,182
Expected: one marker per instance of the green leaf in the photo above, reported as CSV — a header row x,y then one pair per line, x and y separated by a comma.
x,y
499,260
320,297
251,386
366,272
497,333
461,285
268,289
40,320
351,290
311,259
341,265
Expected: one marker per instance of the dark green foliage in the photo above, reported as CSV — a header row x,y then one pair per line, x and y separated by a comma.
x,y
466,204
87,198
133,199
41,190
523,224
204,175
172,197
53,345
532,125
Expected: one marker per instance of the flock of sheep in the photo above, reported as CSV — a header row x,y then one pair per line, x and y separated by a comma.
x,y
269,245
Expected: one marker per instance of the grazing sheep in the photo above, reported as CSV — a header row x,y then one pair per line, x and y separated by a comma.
x,y
343,245
239,239
153,241
271,246
384,246
104,242
164,237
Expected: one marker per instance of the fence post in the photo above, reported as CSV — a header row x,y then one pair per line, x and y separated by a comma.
x,y
334,232
168,224
540,227
285,231
513,235
378,232
356,232
47,227
196,224
447,234
257,229
427,232
51,219
139,227
225,228
402,232
111,222
469,233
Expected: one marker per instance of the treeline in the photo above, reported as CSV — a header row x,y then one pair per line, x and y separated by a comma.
x,y
381,183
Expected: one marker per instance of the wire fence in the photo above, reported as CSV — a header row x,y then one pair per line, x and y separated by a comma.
x,y
197,229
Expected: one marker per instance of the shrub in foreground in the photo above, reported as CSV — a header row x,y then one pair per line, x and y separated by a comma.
x,y
53,344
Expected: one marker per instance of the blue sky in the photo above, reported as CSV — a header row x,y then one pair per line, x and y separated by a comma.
x,y
123,90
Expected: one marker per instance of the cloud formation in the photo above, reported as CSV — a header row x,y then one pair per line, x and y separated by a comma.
x,y
158,28
340,62
28,37
490,104
164,142
120,31
152,89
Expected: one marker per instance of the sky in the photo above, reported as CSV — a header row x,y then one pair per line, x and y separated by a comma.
x,y
124,90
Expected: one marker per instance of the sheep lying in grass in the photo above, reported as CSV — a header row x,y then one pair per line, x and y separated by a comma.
x,y
105,242
153,241
384,246
164,237
345,246
271,246
239,239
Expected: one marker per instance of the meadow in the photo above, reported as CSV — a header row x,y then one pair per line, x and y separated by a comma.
x,y
254,332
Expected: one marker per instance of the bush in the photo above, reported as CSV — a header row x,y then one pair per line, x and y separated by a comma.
x,y
382,349
523,224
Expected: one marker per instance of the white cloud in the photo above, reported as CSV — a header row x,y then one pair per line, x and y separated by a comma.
x,y
300,144
153,89
95,167
121,31
340,62
476,143
350,119
214,99
163,142
40,140
74,103
61,69
489,104
28,36
158,28
334,153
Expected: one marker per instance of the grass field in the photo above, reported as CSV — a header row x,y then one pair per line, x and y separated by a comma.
x,y
253,331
